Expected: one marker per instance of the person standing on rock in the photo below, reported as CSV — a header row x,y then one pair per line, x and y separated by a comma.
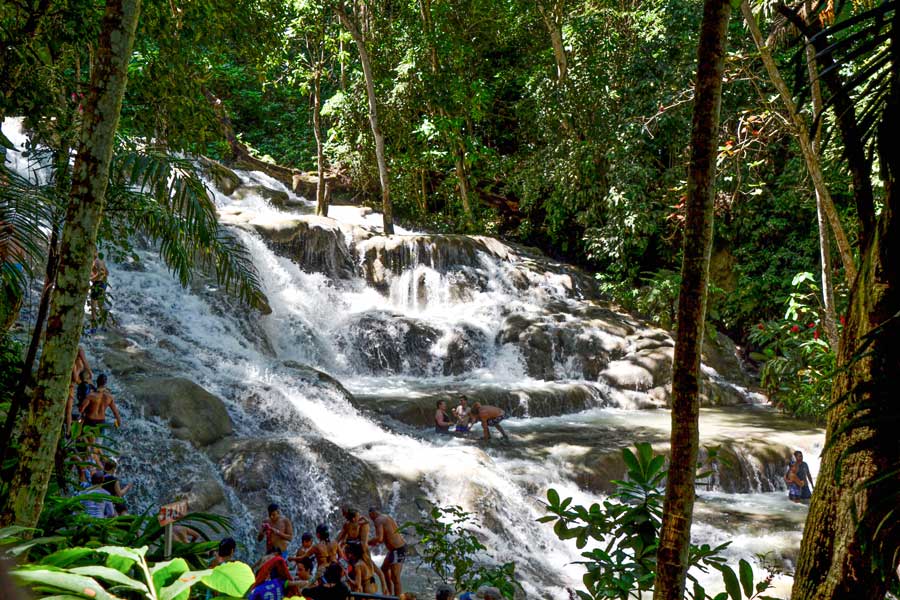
x,y
81,374
461,412
388,533
99,277
277,530
355,532
442,422
490,416
93,412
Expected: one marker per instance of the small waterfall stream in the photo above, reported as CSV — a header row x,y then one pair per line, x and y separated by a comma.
x,y
395,324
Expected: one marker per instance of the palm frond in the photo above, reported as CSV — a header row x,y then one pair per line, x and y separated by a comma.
x,y
161,196
29,209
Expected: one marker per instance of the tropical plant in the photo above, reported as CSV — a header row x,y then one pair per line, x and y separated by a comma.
x,y
449,547
622,536
107,572
798,362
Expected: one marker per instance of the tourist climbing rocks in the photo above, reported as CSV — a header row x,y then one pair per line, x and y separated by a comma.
x,y
442,422
225,552
81,374
355,532
277,530
99,508
93,409
99,284
388,533
490,416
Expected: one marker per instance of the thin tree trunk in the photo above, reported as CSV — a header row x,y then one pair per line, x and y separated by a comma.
x,y
343,66
383,175
321,199
463,179
845,117
675,534
839,551
830,317
552,17
809,156
43,422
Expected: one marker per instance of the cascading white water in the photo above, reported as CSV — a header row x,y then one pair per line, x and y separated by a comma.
x,y
431,328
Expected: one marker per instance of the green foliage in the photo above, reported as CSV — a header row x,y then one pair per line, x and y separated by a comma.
x,y
448,545
105,572
621,537
798,363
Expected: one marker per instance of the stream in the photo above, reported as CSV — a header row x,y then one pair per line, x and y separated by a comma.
x,y
328,399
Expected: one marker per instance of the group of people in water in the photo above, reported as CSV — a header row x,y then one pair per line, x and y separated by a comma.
x,y
464,417
328,568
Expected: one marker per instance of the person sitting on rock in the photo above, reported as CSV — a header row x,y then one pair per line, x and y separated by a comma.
x,y
442,422
277,530
490,416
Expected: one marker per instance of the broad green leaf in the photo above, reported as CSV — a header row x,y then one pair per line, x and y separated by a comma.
x,y
13,530
65,557
26,546
699,592
553,497
746,572
232,579
119,563
181,588
69,582
165,573
731,583
109,574
631,460
135,554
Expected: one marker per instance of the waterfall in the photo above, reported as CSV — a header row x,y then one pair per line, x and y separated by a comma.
x,y
329,399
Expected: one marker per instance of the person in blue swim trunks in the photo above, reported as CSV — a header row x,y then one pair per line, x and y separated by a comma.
x,y
490,416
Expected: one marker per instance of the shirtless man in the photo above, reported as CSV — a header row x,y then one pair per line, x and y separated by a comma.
x,y
81,371
355,532
490,416
387,533
93,409
277,530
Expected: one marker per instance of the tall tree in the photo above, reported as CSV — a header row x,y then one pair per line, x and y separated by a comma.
x,y
43,422
851,542
383,175
675,534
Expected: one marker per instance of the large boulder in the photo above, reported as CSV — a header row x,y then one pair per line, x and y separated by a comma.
x,y
385,344
317,244
193,413
225,180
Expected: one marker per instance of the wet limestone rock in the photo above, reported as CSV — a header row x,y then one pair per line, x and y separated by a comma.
x,y
317,244
387,344
225,180
193,413
276,198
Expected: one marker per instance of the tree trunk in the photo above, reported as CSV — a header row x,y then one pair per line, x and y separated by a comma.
x,y
809,156
553,20
383,175
90,176
830,317
321,198
839,551
463,179
845,117
675,535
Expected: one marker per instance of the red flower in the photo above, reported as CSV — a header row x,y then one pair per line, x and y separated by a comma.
x,y
795,329
761,326
811,325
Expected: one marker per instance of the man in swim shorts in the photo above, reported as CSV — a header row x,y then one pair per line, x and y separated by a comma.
x,y
490,416
388,533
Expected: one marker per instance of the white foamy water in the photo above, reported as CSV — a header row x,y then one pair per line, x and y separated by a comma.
x,y
351,330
